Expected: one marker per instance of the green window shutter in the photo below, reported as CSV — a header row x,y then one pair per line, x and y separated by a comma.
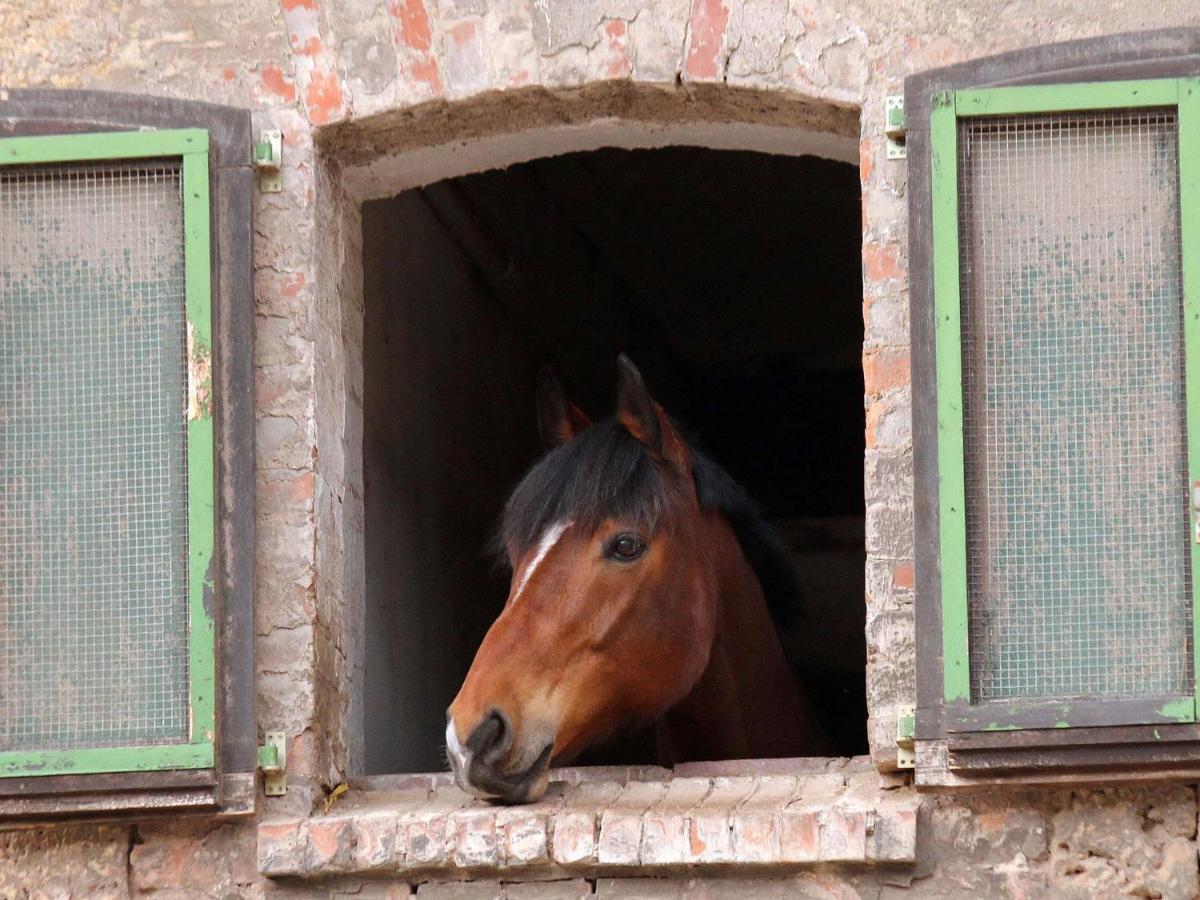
x,y
106,454
1066,253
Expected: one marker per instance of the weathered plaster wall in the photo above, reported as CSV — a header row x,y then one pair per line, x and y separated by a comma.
x,y
361,79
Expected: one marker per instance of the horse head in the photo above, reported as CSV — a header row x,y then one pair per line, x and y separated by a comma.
x,y
611,613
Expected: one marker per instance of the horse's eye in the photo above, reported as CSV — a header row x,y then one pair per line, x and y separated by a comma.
x,y
626,547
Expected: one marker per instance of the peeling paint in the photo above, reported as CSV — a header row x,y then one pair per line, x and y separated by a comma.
x,y
1182,710
199,356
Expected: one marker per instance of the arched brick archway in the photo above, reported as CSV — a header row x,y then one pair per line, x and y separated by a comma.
x,y
409,94
393,151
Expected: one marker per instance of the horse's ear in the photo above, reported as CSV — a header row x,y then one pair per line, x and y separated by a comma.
x,y
559,420
643,418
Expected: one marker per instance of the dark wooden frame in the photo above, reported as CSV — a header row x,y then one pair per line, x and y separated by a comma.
x,y
1101,751
229,787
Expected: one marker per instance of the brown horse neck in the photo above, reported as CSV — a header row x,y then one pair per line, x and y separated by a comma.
x,y
747,703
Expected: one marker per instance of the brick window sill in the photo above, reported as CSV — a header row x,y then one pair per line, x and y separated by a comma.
x,y
607,821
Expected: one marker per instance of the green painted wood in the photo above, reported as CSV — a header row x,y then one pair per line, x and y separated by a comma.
x,y
102,145
201,469
1182,710
1189,214
1066,97
1087,712
1184,93
96,760
943,141
191,146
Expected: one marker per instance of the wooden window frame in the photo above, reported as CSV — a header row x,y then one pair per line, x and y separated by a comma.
x,y
958,743
214,770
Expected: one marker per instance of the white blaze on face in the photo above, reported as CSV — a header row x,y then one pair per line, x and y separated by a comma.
x,y
460,759
545,545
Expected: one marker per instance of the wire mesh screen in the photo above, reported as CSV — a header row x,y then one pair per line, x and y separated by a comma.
x,y
93,472
1073,406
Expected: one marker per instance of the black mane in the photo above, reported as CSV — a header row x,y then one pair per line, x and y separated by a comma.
x,y
605,473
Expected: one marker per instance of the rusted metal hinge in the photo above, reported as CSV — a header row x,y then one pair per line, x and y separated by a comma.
x,y
268,158
893,126
272,759
906,729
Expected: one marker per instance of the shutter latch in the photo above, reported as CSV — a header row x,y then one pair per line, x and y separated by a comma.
x,y
893,126
272,759
268,157
906,729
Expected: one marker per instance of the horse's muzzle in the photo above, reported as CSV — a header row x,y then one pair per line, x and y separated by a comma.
x,y
476,766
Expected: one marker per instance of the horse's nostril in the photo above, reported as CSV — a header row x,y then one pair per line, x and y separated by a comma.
x,y
501,726
491,736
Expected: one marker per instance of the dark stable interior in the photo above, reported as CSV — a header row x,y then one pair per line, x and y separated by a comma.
x,y
732,279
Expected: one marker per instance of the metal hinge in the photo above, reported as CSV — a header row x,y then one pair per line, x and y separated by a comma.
x,y
272,759
893,126
1196,510
906,729
268,157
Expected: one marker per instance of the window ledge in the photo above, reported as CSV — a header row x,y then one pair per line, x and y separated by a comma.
x,y
776,813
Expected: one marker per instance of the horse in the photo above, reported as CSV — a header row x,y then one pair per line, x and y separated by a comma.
x,y
645,589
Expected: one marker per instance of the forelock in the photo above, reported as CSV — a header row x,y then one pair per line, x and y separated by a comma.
x,y
603,473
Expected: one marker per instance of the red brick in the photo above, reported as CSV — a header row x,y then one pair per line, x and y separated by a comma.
x,y
574,838
844,834
880,262
376,842
523,837
575,889
619,64
576,824
472,837
281,847
425,838
821,789
755,823
755,835
874,413
895,837
464,64
327,845
889,423
799,834
196,854
323,97
665,831
885,370
311,47
866,162
462,890
742,768
621,824
278,84
413,30
903,576
709,838
708,23
419,68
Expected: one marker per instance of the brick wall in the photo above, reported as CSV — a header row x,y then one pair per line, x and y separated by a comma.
x,y
369,95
